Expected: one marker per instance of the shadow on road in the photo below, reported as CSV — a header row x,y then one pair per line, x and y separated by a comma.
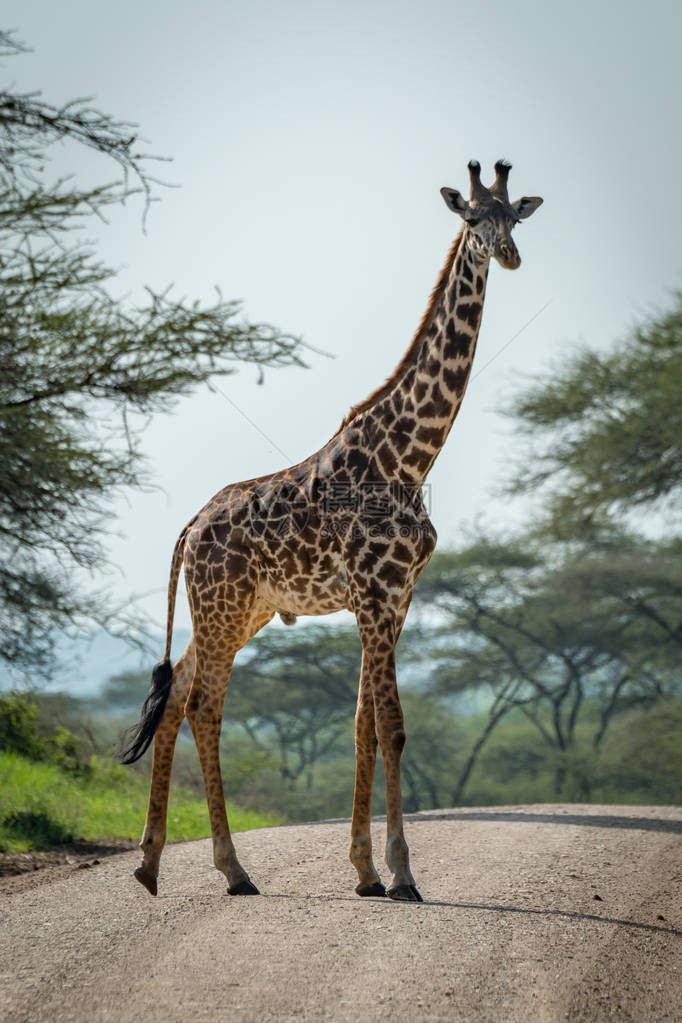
x,y
422,907
564,914
589,820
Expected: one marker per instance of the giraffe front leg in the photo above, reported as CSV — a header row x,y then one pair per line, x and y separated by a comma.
x,y
379,635
360,851
391,734
154,836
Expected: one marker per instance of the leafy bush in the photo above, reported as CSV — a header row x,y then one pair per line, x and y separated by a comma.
x,y
55,791
22,731
18,726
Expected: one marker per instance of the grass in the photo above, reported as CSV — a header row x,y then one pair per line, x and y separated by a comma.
x,y
41,806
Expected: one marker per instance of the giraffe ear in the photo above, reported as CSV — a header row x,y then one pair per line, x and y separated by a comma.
x,y
527,206
454,200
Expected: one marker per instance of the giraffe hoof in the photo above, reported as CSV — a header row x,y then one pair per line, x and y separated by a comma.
x,y
243,888
146,878
405,893
376,890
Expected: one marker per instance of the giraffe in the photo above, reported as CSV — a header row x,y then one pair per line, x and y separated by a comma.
x,y
345,528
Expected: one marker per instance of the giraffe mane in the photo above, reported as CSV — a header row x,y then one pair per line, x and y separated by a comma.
x,y
411,355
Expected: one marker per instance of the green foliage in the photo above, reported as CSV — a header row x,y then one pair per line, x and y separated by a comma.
x,y
18,726
433,754
68,752
643,754
43,805
559,647
639,762
54,791
25,730
604,430
121,693
568,634
296,690
80,370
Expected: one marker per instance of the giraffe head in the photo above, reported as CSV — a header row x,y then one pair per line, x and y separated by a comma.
x,y
489,216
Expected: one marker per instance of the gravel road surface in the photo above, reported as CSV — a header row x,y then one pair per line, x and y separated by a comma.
x,y
531,913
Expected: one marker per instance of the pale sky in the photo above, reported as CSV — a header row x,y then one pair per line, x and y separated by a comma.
x,y
310,141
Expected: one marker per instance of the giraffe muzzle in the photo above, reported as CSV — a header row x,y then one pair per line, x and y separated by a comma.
x,y
508,257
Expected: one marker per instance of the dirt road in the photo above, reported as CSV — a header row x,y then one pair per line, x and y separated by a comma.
x,y
537,913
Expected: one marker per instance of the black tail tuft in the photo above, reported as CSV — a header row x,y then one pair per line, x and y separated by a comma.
x,y
141,734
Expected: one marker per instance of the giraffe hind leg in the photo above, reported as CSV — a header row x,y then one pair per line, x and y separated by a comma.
x,y
204,711
360,852
379,635
154,836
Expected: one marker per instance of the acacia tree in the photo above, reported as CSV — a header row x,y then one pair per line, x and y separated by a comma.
x,y
294,695
77,365
469,651
564,637
603,430
296,692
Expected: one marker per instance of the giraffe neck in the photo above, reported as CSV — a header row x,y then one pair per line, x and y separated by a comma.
x,y
409,423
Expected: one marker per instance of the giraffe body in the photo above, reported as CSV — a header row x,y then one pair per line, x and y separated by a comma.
x,y
345,528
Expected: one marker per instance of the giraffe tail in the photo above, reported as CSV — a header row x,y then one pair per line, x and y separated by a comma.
x,y
138,738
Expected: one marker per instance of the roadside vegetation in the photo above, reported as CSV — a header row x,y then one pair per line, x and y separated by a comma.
x,y
54,790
